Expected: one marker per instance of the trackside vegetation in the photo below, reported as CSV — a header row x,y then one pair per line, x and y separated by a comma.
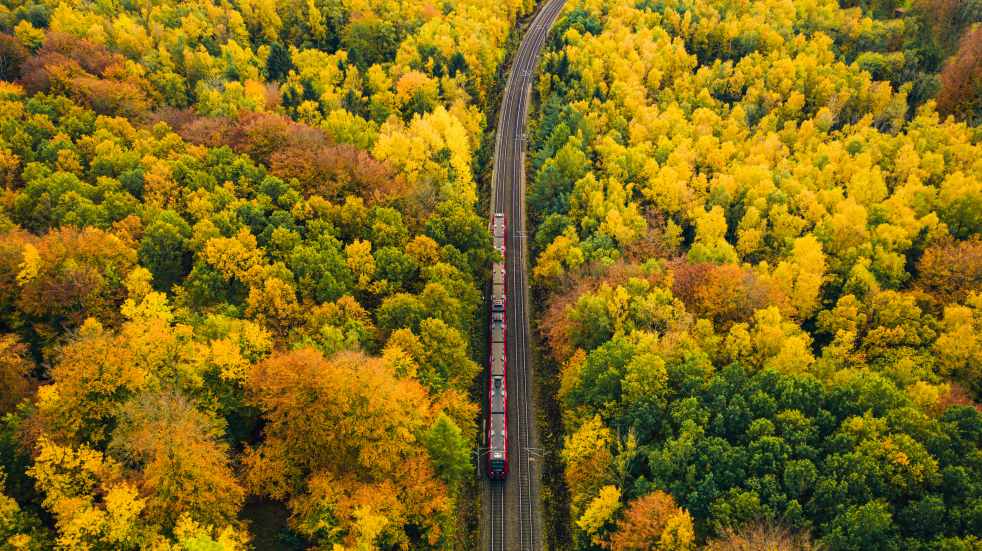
x,y
757,239
241,260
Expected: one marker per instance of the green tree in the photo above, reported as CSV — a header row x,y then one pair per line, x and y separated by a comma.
x,y
278,62
448,450
864,527
164,250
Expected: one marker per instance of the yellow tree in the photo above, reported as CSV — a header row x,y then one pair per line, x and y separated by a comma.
x,y
588,460
710,244
801,276
600,513
959,346
181,458
70,479
72,274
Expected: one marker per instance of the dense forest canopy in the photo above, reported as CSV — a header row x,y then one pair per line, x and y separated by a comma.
x,y
242,254
241,259
757,228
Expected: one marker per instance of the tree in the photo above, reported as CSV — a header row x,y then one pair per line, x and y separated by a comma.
x,y
361,262
449,450
395,267
554,180
70,478
959,199
453,224
89,73
73,274
588,460
959,345
416,93
262,18
946,21
400,310
342,439
723,293
600,512
16,375
275,305
710,243
337,171
12,57
761,536
94,506
653,521
863,527
771,342
350,387
341,325
445,362
193,535
961,93
19,529
561,257
278,63
950,270
801,277
164,250
591,317
101,369
181,458
370,40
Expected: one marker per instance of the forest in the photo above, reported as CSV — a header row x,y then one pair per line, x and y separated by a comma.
x,y
757,246
241,261
244,248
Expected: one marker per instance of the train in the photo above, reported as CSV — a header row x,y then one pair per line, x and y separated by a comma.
x,y
497,437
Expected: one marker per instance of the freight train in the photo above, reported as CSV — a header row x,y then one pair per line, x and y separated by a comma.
x,y
497,460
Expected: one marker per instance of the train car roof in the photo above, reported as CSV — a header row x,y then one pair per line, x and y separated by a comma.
x,y
498,276
498,435
497,332
497,395
498,359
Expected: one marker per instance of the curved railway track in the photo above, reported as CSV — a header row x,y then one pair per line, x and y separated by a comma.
x,y
511,512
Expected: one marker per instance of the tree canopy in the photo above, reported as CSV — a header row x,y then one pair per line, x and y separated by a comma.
x,y
204,199
755,227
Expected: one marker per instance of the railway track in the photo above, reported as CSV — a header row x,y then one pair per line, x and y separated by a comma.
x,y
496,524
512,514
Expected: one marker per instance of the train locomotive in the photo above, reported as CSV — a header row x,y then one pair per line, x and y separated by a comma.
x,y
497,437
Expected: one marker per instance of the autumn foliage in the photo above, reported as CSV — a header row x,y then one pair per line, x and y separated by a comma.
x,y
761,536
338,171
13,54
242,250
212,212
342,443
961,91
16,375
723,293
88,73
756,235
68,275
653,521
951,270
